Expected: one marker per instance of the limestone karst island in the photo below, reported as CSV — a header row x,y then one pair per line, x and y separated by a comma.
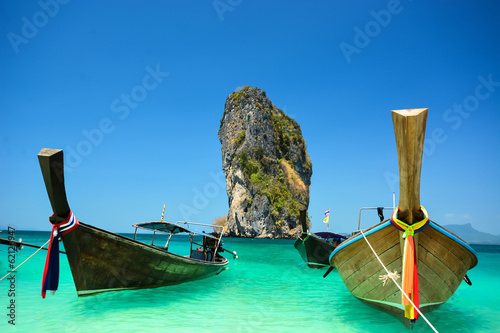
x,y
267,167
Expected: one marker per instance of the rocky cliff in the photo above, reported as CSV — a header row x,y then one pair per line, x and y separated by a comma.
x,y
267,168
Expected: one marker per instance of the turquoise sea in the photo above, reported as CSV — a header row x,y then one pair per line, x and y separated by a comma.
x,y
267,289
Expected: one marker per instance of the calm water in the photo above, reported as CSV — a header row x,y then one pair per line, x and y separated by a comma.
x,y
267,289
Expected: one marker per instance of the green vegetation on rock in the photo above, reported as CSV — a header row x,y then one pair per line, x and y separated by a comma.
x,y
264,146
275,188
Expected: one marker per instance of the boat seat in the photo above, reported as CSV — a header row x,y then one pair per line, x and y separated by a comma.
x,y
197,254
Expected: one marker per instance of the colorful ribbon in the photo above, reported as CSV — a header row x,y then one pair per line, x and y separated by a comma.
x,y
409,229
50,280
410,273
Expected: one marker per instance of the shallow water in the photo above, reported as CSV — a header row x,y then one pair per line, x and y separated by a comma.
x,y
267,289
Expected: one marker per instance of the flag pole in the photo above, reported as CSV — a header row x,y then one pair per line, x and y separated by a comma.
x,y
163,213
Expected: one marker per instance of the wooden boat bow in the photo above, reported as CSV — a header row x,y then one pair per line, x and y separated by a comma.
x,y
102,261
428,261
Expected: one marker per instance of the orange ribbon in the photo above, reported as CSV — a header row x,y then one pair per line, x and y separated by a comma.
x,y
410,273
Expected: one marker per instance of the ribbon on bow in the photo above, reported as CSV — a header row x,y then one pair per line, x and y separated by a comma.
x,y
410,273
50,279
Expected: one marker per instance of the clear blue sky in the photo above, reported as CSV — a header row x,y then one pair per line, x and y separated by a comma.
x,y
133,91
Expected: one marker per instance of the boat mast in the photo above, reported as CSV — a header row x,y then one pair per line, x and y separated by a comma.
x,y
409,126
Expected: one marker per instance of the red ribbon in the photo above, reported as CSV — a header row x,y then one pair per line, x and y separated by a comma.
x,y
50,280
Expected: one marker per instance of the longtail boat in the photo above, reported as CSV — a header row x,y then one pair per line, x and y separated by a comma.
x,y
315,248
103,261
421,258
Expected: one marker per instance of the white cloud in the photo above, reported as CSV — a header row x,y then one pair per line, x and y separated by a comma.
x,y
457,218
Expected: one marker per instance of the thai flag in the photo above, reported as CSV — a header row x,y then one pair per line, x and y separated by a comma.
x,y
327,212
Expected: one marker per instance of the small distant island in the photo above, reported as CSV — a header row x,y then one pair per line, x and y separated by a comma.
x,y
267,167
471,235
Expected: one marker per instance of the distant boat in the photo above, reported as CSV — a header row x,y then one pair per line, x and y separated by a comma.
x,y
315,248
427,261
103,261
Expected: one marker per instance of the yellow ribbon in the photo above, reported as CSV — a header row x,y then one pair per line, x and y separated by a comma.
x,y
409,229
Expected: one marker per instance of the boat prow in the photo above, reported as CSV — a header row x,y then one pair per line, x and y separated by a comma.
x,y
443,262
104,261
315,248
406,265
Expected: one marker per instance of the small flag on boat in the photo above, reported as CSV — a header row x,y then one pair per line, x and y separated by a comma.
x,y
327,216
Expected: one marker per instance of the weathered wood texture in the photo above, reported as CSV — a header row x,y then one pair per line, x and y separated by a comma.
x,y
409,127
52,166
442,264
102,261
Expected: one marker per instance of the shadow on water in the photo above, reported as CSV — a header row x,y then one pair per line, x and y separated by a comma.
x,y
146,299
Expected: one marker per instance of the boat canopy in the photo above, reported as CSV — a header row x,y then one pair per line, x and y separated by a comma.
x,y
172,228
329,235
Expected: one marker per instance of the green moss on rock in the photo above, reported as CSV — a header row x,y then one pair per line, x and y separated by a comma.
x,y
266,146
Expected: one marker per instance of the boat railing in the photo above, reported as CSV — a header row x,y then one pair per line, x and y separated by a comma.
x,y
369,208
186,227
213,226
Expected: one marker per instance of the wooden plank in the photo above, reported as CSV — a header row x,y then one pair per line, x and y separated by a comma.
x,y
448,259
456,258
409,127
381,292
428,292
362,254
373,267
441,269
431,286
345,255
440,245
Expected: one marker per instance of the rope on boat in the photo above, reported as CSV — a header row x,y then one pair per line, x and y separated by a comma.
x,y
25,260
392,278
22,255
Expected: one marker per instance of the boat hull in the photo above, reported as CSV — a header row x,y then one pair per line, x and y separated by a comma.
x,y
315,251
443,260
102,261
